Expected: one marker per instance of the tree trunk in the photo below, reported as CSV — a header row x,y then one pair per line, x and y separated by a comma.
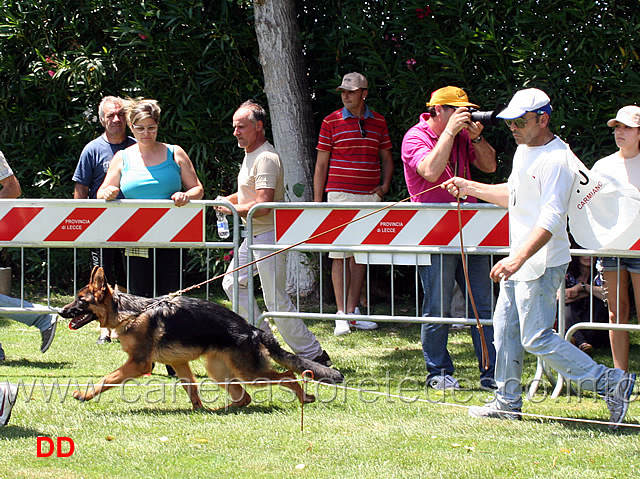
x,y
291,114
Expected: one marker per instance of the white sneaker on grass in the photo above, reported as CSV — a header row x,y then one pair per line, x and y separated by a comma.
x,y
618,399
491,410
342,325
364,325
444,382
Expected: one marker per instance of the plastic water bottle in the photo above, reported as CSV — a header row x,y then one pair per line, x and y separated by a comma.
x,y
223,224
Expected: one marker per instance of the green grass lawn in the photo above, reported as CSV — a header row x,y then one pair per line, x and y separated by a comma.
x,y
150,430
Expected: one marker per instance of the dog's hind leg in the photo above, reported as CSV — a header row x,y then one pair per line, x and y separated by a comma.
x,y
185,375
284,379
129,370
221,373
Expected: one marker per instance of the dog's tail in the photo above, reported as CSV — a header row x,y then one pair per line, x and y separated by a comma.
x,y
296,363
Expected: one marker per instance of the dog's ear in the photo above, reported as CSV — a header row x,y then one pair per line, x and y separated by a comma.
x,y
94,271
98,280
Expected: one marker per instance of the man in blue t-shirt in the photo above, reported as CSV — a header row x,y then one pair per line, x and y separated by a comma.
x,y
90,172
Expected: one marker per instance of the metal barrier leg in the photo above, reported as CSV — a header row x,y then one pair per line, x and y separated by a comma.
x,y
536,379
556,380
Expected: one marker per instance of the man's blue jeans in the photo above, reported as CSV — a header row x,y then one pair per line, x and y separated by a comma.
x,y
438,281
523,321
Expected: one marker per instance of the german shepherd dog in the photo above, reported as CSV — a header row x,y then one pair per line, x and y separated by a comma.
x,y
176,330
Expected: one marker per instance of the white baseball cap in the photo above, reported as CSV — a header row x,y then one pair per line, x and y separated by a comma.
x,y
627,115
524,101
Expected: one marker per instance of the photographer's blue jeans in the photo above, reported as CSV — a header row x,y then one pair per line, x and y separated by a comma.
x,y
523,321
438,281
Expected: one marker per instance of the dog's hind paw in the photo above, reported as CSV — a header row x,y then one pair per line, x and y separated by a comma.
x,y
309,398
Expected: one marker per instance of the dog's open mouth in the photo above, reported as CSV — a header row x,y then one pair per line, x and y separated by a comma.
x,y
79,321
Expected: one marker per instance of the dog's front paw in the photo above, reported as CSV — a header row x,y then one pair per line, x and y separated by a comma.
x,y
309,398
79,395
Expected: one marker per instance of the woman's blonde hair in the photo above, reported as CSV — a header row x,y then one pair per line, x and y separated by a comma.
x,y
138,110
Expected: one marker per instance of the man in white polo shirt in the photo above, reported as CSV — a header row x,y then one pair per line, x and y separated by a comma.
x,y
537,194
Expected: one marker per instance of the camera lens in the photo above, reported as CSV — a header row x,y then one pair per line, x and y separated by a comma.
x,y
487,118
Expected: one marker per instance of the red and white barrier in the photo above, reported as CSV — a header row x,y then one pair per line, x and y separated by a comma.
x,y
487,227
61,224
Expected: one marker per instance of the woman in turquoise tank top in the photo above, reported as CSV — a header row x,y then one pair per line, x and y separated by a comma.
x,y
151,170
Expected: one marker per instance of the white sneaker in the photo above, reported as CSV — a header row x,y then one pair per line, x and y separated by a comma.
x,y
444,382
8,397
491,410
618,399
342,327
364,325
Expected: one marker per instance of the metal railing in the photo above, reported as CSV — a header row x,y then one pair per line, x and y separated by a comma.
x,y
402,260
42,224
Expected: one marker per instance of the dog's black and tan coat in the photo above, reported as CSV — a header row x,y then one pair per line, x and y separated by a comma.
x,y
177,330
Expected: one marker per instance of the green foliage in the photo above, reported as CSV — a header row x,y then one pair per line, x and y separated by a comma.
x,y
198,59
581,53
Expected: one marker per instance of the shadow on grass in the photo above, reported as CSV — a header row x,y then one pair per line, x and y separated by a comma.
x,y
35,364
582,423
221,411
19,432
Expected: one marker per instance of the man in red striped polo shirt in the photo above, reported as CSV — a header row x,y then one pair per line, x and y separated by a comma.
x,y
354,164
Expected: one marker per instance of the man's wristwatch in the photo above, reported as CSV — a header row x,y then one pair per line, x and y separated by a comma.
x,y
583,286
477,140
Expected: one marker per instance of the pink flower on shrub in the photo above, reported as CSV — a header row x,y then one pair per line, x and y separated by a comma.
x,y
51,73
423,12
142,36
392,38
410,63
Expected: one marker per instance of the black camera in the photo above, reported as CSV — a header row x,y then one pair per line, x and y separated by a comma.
x,y
487,118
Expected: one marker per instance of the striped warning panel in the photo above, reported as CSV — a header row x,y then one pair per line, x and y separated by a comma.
x,y
61,224
487,227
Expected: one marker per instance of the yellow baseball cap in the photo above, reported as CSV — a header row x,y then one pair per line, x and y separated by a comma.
x,y
450,95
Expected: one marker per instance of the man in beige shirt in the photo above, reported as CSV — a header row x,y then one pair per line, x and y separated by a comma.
x,y
260,180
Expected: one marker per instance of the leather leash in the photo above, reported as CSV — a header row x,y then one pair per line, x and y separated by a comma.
x,y
485,351
195,286
483,341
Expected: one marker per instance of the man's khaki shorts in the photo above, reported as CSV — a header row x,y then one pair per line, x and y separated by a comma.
x,y
342,197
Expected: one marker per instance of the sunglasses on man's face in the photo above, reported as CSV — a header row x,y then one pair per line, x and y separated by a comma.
x,y
520,122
